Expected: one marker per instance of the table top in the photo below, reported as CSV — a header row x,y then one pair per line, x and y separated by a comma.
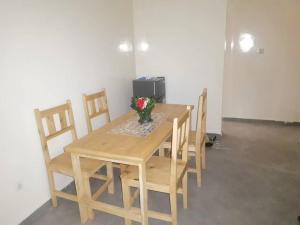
x,y
129,149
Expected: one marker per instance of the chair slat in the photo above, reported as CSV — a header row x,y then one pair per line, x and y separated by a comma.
x,y
50,124
63,119
92,107
54,110
51,136
95,96
98,113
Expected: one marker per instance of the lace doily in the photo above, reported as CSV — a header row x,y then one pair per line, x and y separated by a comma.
x,y
134,128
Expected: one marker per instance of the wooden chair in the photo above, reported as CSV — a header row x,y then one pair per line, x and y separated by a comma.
x,y
196,139
95,105
62,163
167,175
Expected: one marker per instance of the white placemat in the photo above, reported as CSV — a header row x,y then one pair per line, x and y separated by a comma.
x,y
133,128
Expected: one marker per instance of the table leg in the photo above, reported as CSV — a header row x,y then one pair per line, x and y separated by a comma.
x,y
80,188
126,199
143,194
88,194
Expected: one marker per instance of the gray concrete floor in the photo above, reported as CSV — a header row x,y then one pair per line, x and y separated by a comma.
x,y
252,178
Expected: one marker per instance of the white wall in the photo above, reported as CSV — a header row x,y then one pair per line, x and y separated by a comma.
x,y
52,51
186,45
263,86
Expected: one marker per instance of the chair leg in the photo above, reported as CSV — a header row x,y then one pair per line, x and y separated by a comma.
x,y
168,153
110,176
52,188
161,152
173,203
198,159
126,198
203,153
185,191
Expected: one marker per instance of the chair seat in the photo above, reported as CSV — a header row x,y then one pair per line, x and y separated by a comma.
x,y
63,164
158,172
192,141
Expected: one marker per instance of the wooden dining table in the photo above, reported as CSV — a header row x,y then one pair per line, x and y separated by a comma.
x,y
108,145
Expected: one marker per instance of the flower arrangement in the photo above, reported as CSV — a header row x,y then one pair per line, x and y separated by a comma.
x,y
143,106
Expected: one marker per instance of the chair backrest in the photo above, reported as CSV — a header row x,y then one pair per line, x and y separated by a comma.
x,y
201,119
47,127
95,105
180,140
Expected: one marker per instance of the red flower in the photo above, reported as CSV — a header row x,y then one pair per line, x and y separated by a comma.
x,y
140,103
